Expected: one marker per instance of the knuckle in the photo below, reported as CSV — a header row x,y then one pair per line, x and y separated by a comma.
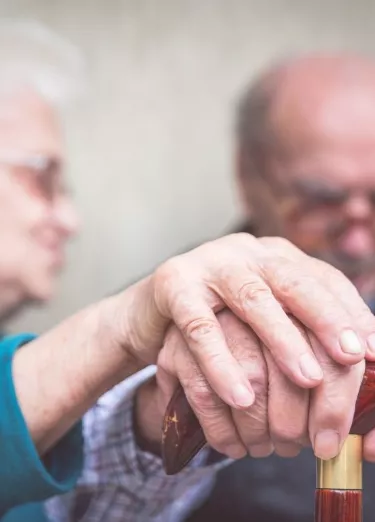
x,y
345,376
167,283
205,401
169,278
243,238
334,413
224,441
257,373
291,281
261,450
172,338
278,243
342,286
252,425
258,377
167,270
201,328
255,291
287,450
255,436
287,276
287,432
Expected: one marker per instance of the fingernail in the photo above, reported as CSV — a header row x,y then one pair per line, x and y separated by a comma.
x,y
310,368
326,444
243,397
235,451
350,343
371,343
261,450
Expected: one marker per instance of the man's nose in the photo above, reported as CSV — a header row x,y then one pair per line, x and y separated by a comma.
x,y
358,207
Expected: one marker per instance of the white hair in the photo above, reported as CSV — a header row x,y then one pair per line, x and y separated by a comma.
x,y
34,57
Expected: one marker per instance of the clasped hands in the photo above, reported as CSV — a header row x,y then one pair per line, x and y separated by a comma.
x,y
269,345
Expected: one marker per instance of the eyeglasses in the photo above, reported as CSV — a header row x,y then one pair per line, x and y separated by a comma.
x,y
306,195
41,175
312,196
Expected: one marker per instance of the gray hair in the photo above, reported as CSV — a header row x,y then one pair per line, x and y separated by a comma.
x,y
32,56
252,128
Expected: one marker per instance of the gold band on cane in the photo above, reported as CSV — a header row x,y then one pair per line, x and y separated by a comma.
x,y
343,471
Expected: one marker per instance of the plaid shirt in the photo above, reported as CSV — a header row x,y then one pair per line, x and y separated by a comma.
x,y
121,483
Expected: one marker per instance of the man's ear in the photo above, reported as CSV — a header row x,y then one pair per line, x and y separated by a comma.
x,y
243,182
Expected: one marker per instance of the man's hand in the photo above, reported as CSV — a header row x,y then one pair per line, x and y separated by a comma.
x,y
284,416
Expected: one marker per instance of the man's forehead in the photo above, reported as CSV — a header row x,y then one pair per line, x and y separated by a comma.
x,y
325,100
29,123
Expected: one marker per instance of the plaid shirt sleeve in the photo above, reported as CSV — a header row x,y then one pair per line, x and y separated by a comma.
x,y
122,483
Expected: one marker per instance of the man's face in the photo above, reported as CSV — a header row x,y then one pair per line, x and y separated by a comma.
x,y
321,179
36,215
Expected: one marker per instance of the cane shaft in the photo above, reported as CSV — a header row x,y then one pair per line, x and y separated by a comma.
x,y
338,497
337,505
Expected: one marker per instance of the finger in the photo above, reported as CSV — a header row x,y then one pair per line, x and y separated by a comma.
x,y
252,424
213,414
252,299
287,412
339,286
166,377
369,446
312,303
185,301
362,317
260,451
167,384
209,348
332,404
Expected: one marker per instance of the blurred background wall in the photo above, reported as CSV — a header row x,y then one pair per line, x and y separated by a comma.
x,y
150,146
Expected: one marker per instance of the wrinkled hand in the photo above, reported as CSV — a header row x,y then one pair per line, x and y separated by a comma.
x,y
265,282
284,416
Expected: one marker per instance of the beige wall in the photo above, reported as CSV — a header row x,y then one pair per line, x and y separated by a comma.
x,y
150,150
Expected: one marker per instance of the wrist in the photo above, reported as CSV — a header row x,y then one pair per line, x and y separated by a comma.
x,y
137,324
109,342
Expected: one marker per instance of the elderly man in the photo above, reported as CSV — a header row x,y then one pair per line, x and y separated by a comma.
x,y
47,385
305,171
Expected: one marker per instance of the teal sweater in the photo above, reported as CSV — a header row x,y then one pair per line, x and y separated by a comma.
x,y
25,480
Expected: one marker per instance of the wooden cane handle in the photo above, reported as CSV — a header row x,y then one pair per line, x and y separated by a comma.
x,y
183,436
